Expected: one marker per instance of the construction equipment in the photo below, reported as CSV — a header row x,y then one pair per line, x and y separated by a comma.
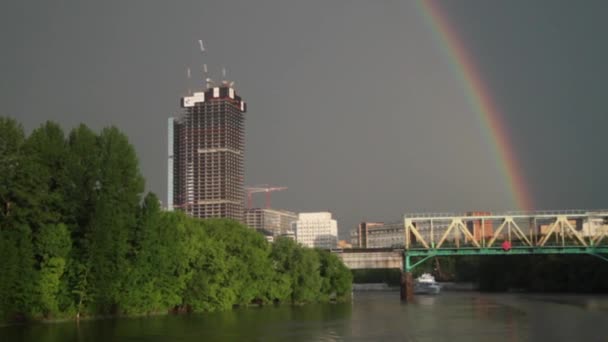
x,y
261,188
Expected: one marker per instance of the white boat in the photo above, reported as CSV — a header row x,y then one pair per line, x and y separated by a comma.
x,y
426,284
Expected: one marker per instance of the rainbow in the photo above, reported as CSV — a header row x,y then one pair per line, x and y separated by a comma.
x,y
477,92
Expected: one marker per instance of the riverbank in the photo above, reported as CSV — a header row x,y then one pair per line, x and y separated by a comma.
x,y
171,312
445,286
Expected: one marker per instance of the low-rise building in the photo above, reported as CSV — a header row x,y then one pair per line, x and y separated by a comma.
x,y
316,230
273,220
289,235
392,234
362,233
379,235
387,235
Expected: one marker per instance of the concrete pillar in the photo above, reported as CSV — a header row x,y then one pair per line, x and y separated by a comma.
x,y
407,287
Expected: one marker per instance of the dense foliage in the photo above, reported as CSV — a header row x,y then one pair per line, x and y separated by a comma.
x,y
77,238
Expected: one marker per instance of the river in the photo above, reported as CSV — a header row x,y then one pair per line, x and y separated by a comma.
x,y
371,316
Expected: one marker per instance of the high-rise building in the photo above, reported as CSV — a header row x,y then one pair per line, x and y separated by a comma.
x,y
317,230
206,154
272,220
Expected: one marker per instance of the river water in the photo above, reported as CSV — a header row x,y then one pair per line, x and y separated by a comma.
x,y
371,316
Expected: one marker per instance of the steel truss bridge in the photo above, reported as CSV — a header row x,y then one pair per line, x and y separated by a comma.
x,y
568,232
510,233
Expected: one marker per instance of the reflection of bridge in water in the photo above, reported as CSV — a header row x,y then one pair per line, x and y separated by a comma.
x,y
484,233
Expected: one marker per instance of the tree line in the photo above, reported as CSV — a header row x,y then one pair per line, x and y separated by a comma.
x,y
79,238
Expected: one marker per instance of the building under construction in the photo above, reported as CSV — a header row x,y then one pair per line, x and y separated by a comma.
x,y
206,154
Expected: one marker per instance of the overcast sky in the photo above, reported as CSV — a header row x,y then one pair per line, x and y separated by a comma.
x,y
352,104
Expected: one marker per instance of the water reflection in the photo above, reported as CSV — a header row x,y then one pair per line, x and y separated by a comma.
x,y
371,316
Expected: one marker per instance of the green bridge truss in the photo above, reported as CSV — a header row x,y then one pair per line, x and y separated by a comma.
x,y
480,233
422,254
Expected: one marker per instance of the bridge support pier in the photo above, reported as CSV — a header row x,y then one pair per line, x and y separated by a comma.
x,y
407,279
407,287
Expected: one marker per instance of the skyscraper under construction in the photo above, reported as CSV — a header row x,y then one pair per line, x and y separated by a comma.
x,y
206,154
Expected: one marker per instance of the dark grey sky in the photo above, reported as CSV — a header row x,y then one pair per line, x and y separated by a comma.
x,y
352,104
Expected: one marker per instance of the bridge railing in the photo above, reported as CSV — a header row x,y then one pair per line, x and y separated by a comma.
x,y
563,228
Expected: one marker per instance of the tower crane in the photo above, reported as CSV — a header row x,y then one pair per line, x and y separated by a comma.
x,y
261,188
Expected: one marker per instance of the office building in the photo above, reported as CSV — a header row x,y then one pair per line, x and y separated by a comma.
x,y
316,230
379,235
276,221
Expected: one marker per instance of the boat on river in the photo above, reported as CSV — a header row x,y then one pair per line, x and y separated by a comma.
x,y
426,284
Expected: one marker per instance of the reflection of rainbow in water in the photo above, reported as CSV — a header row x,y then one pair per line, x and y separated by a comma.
x,y
481,102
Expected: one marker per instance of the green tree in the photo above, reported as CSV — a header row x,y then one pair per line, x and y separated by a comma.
x,y
18,202
47,149
156,265
306,277
248,264
119,191
209,287
302,265
17,283
76,239
53,245
336,277
282,256
81,192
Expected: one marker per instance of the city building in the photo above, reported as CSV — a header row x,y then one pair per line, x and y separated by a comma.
x,y
388,235
206,154
276,221
289,235
379,235
317,230
268,235
344,244
361,234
